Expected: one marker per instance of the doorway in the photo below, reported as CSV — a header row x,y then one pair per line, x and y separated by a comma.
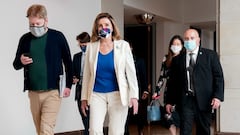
x,y
142,37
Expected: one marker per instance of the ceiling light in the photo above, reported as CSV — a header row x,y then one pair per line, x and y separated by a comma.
x,y
145,18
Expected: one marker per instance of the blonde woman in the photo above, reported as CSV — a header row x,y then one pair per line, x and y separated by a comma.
x,y
109,79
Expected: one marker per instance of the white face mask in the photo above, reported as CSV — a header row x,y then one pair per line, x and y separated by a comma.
x,y
37,31
176,48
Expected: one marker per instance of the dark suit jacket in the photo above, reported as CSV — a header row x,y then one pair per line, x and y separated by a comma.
x,y
207,76
77,59
141,75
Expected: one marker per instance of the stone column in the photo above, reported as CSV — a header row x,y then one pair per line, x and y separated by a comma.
x,y
228,26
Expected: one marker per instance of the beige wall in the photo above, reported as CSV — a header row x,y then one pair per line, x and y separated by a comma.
x,y
197,11
115,8
229,22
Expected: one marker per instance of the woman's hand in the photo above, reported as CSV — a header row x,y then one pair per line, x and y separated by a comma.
x,y
84,107
169,108
134,104
155,96
66,92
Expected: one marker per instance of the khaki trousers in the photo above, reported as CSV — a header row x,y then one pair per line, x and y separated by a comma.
x,y
44,107
107,103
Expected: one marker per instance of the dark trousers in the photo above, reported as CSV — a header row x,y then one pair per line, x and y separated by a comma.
x,y
85,119
190,113
139,119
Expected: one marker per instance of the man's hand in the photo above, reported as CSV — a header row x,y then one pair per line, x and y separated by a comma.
x,y
26,60
215,103
145,95
75,80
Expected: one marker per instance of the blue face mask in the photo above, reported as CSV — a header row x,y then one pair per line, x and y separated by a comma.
x,y
190,45
104,33
83,48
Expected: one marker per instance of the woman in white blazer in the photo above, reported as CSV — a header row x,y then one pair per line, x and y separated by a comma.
x,y
109,79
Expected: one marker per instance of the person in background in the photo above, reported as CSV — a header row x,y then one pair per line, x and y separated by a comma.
x,y
141,117
171,120
196,85
78,63
109,78
41,53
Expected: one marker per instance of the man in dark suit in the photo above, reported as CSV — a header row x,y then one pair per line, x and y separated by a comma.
x,y
78,64
141,117
197,87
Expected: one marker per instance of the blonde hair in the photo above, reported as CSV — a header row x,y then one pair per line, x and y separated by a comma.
x,y
37,10
115,33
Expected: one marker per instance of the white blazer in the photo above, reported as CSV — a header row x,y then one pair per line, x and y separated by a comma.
x,y
124,68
